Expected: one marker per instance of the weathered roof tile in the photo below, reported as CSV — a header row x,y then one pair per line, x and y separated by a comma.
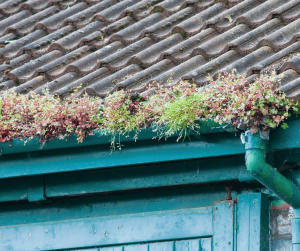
x,y
103,46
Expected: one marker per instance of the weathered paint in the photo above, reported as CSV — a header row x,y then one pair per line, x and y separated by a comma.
x,y
296,229
160,195
223,226
252,222
109,204
100,156
279,204
121,228
168,174
203,244
125,178
103,231
36,188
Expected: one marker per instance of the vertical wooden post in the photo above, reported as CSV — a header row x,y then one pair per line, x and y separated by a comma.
x,y
223,223
253,222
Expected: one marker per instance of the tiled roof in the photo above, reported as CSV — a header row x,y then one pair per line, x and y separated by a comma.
x,y
111,44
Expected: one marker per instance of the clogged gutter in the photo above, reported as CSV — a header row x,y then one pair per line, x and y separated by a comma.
x,y
173,108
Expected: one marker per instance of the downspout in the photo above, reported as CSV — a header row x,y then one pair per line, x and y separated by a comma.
x,y
256,148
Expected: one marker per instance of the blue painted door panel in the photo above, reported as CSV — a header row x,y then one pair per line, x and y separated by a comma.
x,y
111,249
137,247
162,246
188,245
253,222
202,244
112,230
224,227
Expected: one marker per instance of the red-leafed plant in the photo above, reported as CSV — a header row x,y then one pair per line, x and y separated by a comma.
x,y
248,106
172,108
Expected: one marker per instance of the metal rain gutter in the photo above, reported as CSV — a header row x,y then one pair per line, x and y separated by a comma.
x,y
101,138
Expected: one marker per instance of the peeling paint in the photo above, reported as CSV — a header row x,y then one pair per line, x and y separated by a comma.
x,y
279,204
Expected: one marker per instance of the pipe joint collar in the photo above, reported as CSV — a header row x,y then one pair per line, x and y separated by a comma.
x,y
255,140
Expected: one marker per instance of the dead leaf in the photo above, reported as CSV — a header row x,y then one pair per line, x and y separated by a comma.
x,y
229,18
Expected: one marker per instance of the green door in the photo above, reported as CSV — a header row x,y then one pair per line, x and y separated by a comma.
x,y
226,226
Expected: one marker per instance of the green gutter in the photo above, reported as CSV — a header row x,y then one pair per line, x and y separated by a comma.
x,y
256,147
100,138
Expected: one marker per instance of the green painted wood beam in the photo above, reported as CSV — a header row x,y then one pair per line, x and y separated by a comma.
x,y
36,188
102,231
29,188
157,175
201,171
100,156
109,204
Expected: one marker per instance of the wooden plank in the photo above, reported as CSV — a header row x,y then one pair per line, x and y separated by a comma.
x,y
36,188
235,228
206,244
111,249
223,226
243,222
136,247
253,222
125,178
88,249
296,229
100,156
162,246
259,222
167,174
113,230
188,245
13,189
111,204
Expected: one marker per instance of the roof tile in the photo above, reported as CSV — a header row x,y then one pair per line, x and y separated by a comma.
x,y
103,46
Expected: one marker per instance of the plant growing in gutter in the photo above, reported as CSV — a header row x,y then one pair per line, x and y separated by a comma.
x,y
172,108
248,106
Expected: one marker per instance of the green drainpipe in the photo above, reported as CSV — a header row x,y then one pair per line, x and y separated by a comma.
x,y
256,147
